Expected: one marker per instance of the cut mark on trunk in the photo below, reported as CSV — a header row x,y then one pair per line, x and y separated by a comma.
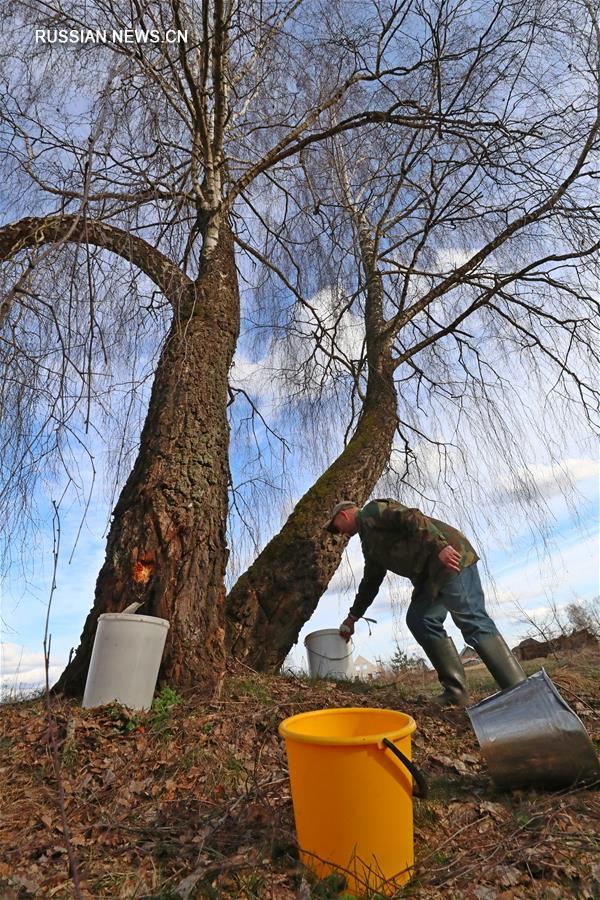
x,y
142,571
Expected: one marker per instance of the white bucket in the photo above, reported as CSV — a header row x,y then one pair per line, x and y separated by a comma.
x,y
329,656
125,660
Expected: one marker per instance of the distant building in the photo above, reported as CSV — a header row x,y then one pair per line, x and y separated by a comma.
x,y
364,668
575,642
469,657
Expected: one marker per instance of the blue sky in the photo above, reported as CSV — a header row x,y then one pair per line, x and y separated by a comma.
x,y
525,572
522,574
523,565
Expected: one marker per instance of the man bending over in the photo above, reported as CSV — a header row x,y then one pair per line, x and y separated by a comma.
x,y
442,566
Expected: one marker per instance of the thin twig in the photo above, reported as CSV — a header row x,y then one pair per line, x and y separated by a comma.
x,y
52,739
580,700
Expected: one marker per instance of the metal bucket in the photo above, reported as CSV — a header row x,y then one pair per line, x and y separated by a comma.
x,y
530,736
329,656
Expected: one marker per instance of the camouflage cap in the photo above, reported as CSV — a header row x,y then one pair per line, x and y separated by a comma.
x,y
344,504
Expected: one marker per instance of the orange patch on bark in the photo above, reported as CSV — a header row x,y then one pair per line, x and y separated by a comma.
x,y
142,570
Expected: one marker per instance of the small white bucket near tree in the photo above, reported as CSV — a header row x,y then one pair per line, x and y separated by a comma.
x,y
125,660
329,656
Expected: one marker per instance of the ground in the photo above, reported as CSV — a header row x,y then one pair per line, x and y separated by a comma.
x,y
191,800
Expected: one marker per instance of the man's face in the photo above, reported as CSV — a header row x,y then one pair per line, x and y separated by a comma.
x,y
345,521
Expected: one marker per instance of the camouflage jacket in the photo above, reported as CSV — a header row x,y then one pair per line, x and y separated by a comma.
x,y
406,542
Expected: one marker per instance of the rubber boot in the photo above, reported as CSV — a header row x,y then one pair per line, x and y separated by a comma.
x,y
444,658
502,663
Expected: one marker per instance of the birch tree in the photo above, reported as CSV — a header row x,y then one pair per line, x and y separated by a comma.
x,y
131,164
477,245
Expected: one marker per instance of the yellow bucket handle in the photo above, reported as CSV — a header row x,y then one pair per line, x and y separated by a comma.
x,y
416,773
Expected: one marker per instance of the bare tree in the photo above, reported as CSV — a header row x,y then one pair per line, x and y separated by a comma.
x,y
479,237
554,623
585,616
131,176
268,605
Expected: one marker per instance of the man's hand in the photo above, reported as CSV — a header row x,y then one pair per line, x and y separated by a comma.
x,y
347,628
450,557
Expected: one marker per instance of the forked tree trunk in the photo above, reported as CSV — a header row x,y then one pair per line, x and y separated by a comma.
x,y
273,599
167,542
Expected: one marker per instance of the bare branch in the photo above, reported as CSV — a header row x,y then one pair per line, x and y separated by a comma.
x,y
36,231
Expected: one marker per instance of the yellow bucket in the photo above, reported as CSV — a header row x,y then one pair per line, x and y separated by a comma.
x,y
350,773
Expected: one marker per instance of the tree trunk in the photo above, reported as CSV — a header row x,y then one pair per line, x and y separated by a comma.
x,y
167,542
273,599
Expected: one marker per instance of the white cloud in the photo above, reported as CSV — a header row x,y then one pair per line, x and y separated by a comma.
x,y
570,574
256,378
574,560
552,480
543,610
261,378
25,668
449,260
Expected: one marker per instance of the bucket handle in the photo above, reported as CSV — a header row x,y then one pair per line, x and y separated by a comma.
x,y
416,773
331,658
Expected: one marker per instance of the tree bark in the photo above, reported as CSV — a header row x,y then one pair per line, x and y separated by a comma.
x,y
273,599
278,594
167,542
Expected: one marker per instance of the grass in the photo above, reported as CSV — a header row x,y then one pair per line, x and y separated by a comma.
x,y
199,787
253,688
